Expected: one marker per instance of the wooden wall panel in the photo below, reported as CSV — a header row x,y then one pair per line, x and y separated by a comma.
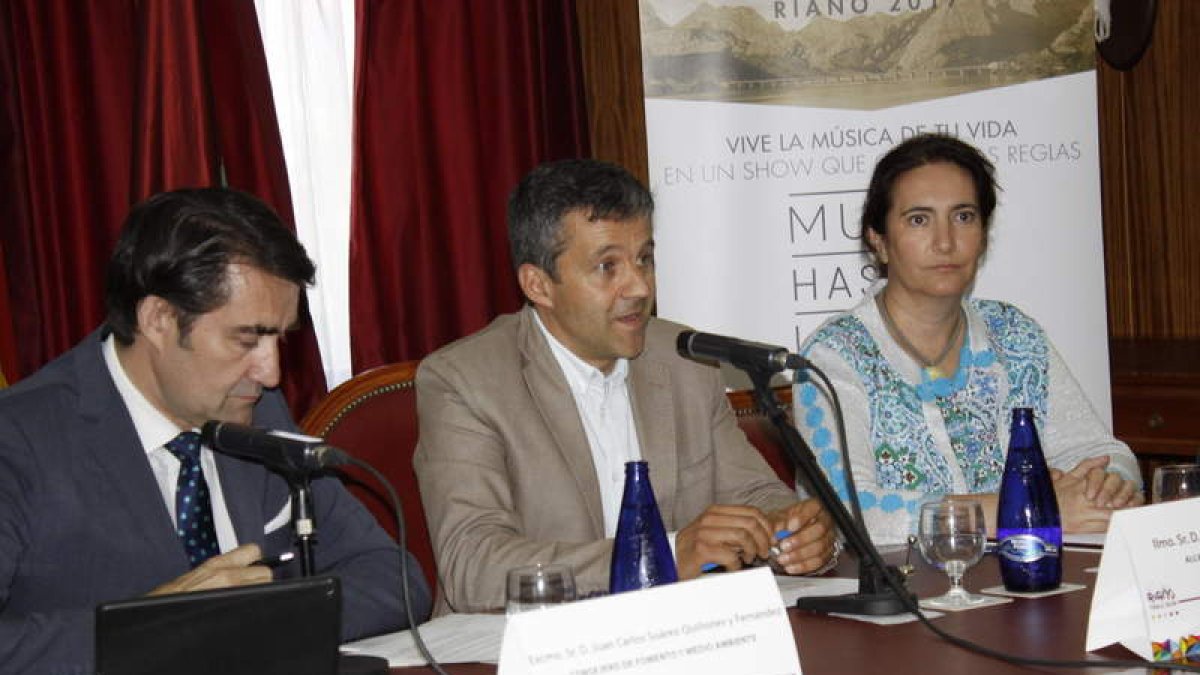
x,y
1150,163
610,38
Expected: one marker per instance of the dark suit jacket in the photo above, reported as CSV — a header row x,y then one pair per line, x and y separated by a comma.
x,y
82,520
506,471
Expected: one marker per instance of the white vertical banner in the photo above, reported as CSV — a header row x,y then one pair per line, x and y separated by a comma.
x,y
310,57
764,121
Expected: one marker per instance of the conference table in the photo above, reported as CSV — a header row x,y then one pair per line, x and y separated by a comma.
x,y
1049,627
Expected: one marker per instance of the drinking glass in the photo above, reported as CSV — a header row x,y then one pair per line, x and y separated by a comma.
x,y
1175,481
538,586
951,534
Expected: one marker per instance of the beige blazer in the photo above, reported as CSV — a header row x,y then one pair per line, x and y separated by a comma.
x,y
506,472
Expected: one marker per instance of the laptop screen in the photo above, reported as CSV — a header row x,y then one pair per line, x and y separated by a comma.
x,y
288,627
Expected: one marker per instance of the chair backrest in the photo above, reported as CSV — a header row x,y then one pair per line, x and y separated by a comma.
x,y
762,433
373,416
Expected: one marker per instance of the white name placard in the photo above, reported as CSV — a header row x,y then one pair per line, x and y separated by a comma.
x,y
721,624
1148,590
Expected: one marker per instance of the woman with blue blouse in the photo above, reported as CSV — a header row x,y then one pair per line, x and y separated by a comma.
x,y
928,377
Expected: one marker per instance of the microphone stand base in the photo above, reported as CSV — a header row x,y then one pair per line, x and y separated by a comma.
x,y
875,596
869,604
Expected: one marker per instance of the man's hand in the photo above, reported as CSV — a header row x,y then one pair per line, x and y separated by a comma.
x,y
811,545
235,568
730,536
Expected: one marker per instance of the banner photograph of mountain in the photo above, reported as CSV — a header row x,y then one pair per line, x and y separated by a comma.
x,y
818,53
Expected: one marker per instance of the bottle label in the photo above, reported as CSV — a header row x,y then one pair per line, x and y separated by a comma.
x,y
1026,548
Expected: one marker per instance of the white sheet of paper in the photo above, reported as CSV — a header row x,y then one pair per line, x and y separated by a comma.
x,y
794,588
1148,587
724,624
454,638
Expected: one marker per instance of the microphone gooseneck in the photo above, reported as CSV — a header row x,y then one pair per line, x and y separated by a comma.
x,y
298,458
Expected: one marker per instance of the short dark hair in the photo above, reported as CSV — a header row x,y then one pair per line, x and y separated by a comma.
x,y
916,152
538,204
178,245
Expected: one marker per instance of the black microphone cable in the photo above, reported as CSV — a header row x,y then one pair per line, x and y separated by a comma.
x,y
402,540
915,609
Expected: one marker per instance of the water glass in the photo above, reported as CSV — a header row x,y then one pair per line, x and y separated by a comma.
x,y
951,534
538,586
1175,481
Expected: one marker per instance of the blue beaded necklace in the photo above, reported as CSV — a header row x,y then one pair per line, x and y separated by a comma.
x,y
934,383
931,388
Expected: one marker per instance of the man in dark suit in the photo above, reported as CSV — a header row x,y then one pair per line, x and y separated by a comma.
x,y
526,425
200,290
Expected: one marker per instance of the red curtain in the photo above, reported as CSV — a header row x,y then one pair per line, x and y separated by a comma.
x,y
174,143
8,345
251,151
11,208
68,157
106,103
456,100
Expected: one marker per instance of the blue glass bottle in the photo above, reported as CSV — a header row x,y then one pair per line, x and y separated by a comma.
x,y
641,555
1028,527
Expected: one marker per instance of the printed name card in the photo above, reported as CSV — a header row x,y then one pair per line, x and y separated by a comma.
x,y
723,624
1148,590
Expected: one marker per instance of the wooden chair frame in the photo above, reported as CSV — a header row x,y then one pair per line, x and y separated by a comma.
x,y
323,420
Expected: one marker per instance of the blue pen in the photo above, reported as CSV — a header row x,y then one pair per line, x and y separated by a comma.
x,y
276,560
779,536
775,552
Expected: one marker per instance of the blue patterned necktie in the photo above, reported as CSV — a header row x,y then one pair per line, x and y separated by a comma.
x,y
193,508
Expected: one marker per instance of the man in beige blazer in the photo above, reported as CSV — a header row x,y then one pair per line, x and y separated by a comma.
x,y
516,465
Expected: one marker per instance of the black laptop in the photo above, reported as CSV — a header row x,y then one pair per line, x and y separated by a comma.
x,y
285,627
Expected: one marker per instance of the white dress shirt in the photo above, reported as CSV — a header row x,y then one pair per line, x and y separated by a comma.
x,y
155,431
603,403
